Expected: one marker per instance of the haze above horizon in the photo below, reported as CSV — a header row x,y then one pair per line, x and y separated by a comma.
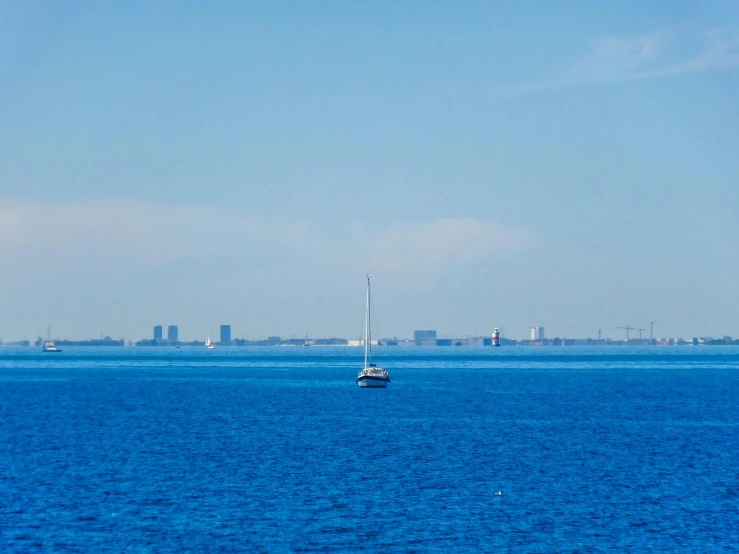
x,y
571,165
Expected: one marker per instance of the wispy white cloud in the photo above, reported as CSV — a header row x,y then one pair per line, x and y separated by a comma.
x,y
415,248
720,50
626,53
648,56
123,265
112,233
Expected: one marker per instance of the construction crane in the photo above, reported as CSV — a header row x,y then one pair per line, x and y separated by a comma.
x,y
651,330
640,331
628,328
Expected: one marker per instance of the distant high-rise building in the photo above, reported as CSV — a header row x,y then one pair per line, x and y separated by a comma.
x,y
225,335
172,333
536,333
157,332
424,334
425,337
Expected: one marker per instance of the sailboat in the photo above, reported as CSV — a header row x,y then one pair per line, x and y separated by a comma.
x,y
49,345
371,376
209,344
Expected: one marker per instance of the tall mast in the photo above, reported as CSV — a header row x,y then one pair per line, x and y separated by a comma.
x,y
369,320
367,325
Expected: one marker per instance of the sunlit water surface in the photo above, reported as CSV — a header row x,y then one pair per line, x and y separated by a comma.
x,y
614,449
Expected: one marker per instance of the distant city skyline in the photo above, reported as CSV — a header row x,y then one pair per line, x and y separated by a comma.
x,y
426,338
491,164
225,337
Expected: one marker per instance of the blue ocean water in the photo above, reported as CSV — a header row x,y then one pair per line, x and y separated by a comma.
x,y
614,449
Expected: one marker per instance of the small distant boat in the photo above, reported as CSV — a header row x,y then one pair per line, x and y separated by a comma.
x,y
371,376
209,345
49,345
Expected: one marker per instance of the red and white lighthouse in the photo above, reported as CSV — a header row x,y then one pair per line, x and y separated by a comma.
x,y
496,337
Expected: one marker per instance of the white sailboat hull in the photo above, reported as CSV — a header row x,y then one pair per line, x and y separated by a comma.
x,y
374,377
370,383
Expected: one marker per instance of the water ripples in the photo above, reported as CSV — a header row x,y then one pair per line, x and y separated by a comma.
x,y
597,450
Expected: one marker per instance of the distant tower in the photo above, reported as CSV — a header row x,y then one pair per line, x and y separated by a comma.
x,y
225,335
540,333
533,333
157,332
496,337
172,333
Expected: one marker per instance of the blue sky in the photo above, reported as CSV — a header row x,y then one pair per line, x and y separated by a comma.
x,y
566,164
